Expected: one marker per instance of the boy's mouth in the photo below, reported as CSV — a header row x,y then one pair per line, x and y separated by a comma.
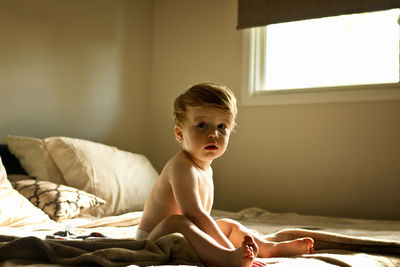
x,y
211,147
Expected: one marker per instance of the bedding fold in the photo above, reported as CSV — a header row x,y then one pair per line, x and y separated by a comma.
x,y
330,248
171,249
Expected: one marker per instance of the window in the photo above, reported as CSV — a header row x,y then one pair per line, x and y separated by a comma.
x,y
342,58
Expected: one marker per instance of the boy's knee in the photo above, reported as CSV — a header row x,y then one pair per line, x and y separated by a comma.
x,y
227,220
228,225
176,220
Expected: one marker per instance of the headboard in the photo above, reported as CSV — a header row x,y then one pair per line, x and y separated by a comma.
x,y
10,162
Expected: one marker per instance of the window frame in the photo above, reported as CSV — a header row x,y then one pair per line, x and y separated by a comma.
x,y
251,52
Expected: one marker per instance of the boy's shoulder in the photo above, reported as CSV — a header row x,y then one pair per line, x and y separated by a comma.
x,y
179,165
179,161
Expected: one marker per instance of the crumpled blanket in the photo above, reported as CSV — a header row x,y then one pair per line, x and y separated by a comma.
x,y
330,249
171,249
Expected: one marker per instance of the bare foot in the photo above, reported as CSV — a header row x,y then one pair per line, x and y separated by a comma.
x,y
288,248
251,244
244,255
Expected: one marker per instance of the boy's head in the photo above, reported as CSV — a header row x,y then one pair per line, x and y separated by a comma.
x,y
205,94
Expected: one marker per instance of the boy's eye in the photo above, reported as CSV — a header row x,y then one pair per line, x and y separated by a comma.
x,y
202,125
222,126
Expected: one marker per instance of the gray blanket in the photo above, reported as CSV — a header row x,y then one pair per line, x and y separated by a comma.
x,y
331,249
171,249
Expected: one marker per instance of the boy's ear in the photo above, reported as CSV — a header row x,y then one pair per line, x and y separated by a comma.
x,y
178,134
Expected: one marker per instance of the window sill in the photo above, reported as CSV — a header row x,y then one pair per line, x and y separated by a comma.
x,y
321,95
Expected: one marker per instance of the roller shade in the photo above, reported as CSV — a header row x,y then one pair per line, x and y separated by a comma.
x,y
252,13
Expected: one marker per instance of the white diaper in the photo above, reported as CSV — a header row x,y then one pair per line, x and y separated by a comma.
x,y
141,234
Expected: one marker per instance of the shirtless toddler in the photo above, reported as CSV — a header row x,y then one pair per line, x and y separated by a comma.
x,y
182,198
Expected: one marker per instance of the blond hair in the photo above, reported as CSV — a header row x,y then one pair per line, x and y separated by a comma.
x,y
206,94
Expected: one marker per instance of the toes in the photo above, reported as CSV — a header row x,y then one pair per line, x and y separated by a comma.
x,y
258,264
248,252
310,242
311,249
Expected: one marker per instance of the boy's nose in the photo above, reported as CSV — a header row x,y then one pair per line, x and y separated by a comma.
x,y
213,134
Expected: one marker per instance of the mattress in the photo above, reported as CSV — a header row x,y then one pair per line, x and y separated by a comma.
x,y
338,241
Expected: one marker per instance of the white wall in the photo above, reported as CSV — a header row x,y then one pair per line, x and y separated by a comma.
x,y
76,68
333,159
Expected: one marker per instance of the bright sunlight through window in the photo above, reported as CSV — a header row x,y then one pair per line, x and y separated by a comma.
x,y
341,52
336,51
334,59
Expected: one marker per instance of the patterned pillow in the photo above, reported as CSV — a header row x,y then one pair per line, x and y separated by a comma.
x,y
58,201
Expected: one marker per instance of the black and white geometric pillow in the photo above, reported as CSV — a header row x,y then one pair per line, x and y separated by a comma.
x,y
60,202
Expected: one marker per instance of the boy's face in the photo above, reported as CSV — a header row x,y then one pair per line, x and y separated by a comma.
x,y
204,134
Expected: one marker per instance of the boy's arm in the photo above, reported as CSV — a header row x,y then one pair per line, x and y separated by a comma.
x,y
185,187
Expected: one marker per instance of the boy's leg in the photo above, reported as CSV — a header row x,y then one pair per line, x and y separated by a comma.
x,y
208,250
235,231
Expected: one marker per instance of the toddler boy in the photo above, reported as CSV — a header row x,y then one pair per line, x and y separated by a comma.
x,y
182,198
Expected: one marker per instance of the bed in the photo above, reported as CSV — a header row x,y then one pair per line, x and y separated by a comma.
x,y
72,202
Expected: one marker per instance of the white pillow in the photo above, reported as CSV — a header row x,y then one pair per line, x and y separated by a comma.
x,y
121,178
34,158
15,209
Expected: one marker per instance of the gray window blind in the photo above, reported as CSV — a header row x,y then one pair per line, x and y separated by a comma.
x,y
252,13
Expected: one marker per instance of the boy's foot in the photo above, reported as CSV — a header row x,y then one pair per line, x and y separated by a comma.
x,y
288,248
249,242
244,255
